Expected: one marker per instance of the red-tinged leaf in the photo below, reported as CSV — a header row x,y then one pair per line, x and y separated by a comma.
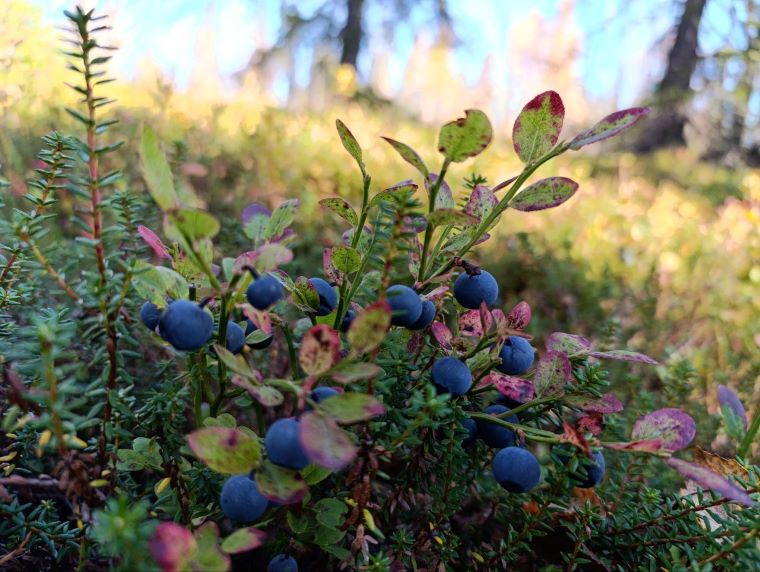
x,y
501,321
320,350
609,126
519,316
266,395
172,546
350,143
481,202
279,484
325,443
410,156
567,343
465,137
243,540
573,436
442,335
708,479
608,403
351,407
305,295
624,355
260,318
471,324
486,319
545,194
252,210
347,372
331,272
224,450
209,557
674,428
399,192
591,423
537,127
552,373
445,198
245,259
515,388
272,255
436,293
414,343
152,239
644,446
342,208
369,328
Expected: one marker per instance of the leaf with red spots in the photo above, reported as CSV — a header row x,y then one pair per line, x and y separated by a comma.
x,y
451,217
444,199
568,343
332,273
537,127
342,208
225,450
592,423
279,484
409,155
466,136
624,355
152,239
325,443
442,335
369,327
398,193
481,202
471,323
350,143
607,403
260,318
674,428
515,388
609,126
708,479
320,350
243,540
545,194
552,373
519,316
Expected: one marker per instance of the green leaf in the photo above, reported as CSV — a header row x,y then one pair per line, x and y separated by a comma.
x,y
209,558
537,127
280,485
281,218
325,535
194,224
156,283
305,296
346,259
224,450
397,193
342,208
235,363
331,512
465,137
314,474
369,328
156,172
352,407
243,540
350,144
447,217
349,372
256,227
410,156
553,371
545,194
298,523
609,126
271,255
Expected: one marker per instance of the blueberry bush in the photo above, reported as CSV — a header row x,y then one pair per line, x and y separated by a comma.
x,y
176,397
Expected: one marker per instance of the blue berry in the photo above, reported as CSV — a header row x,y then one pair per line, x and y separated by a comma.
x,y
321,393
348,319
471,427
497,436
328,299
590,471
516,356
451,375
426,317
250,327
405,303
235,337
150,314
283,563
283,445
264,291
241,499
185,325
470,291
516,469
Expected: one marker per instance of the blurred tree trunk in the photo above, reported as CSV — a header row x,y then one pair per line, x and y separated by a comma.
x,y
674,90
352,33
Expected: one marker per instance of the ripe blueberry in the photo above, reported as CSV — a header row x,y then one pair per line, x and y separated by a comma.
x,y
348,319
283,445
235,337
328,299
471,427
451,375
150,314
263,292
250,327
494,435
321,393
516,356
283,563
470,291
516,469
185,325
405,304
426,317
241,499
590,471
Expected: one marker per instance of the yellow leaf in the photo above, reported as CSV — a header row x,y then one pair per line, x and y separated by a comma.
x,y
161,485
369,520
45,437
10,456
99,483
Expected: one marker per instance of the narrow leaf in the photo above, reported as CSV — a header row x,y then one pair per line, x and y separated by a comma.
x,y
451,217
568,343
350,143
545,194
152,240
410,156
156,171
351,407
710,480
609,126
624,355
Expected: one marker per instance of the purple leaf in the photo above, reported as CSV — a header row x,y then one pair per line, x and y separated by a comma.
x,y
537,127
471,323
609,126
326,444
673,427
252,210
519,316
280,485
567,343
152,239
708,479
442,335
320,350
552,373
515,388
545,194
481,202
608,403
729,399
624,355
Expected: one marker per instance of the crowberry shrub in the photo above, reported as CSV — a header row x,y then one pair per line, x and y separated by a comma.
x,y
384,413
